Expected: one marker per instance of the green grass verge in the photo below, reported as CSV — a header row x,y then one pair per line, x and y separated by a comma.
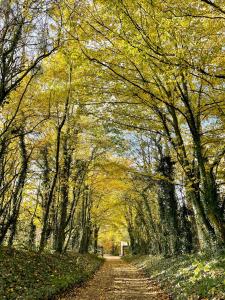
x,y
29,276
192,277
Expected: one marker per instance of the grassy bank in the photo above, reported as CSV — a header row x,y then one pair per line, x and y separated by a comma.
x,y
185,277
29,276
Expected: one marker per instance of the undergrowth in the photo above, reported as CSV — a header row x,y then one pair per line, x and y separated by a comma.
x,y
192,277
28,275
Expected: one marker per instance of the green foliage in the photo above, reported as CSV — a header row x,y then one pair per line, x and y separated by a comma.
x,y
196,276
120,132
27,275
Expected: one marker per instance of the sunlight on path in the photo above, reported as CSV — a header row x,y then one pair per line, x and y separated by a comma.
x,y
117,280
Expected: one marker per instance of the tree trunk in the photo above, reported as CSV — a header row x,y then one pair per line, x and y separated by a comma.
x,y
95,236
168,208
16,194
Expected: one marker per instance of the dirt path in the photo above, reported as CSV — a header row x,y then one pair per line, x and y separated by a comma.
x,y
117,280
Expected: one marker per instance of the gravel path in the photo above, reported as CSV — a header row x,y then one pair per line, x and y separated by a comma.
x,y
117,280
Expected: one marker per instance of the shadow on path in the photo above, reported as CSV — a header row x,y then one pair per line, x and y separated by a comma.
x,y
117,280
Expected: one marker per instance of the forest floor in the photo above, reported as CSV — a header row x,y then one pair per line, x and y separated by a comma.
x,y
120,280
28,275
187,277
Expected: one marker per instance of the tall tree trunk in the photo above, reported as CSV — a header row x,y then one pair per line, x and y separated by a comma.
x,y
86,222
16,194
209,194
168,208
54,181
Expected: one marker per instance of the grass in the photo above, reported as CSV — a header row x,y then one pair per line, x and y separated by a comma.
x,y
30,276
187,277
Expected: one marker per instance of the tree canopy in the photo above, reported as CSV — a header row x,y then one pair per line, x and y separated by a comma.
x,y
112,125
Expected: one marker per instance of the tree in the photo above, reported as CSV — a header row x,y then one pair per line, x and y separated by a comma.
x,y
26,39
157,66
